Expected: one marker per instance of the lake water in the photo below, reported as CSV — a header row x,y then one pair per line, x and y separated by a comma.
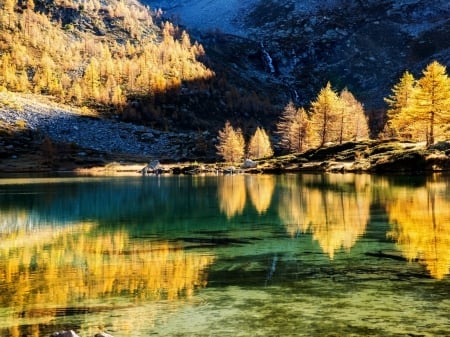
x,y
289,255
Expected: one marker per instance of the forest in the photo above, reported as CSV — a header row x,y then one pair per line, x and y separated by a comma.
x,y
58,50
123,58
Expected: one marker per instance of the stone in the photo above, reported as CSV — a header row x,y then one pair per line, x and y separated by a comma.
x,y
248,163
103,334
69,333
148,136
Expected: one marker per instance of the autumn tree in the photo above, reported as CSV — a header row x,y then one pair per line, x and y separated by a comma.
x,y
259,145
293,128
432,100
421,108
399,102
325,116
353,121
231,146
91,79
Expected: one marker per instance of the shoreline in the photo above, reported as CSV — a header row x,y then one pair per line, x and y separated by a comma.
x,y
372,157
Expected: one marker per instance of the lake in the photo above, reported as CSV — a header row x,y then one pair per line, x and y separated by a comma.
x,y
259,255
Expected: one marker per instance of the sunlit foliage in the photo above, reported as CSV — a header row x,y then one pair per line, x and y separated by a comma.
x,y
325,116
41,54
294,129
420,110
353,121
399,102
259,145
231,144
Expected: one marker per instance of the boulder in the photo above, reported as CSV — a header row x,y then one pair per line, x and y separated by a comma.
x,y
248,163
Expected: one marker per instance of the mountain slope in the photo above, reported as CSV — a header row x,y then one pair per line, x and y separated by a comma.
x,y
99,54
364,45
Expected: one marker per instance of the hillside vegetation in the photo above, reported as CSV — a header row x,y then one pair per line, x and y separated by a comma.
x,y
94,52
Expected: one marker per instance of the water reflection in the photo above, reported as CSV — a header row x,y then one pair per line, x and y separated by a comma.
x,y
260,190
157,246
335,209
48,270
420,219
232,195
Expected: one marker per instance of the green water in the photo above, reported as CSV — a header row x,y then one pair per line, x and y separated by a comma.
x,y
290,255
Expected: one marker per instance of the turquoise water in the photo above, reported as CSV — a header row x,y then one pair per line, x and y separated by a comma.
x,y
289,255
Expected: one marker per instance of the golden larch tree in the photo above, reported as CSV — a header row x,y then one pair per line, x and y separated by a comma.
x,y
293,128
231,146
91,79
325,116
353,123
259,145
399,102
432,100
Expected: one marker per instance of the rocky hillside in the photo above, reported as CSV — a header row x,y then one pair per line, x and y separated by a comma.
x,y
38,134
364,45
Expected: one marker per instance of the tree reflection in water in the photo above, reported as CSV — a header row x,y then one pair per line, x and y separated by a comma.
x,y
128,260
49,270
260,190
335,209
232,195
420,220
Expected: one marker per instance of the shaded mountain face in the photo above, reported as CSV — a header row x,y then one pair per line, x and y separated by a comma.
x,y
363,45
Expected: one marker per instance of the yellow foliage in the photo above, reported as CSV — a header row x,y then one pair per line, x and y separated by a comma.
x,y
64,59
259,145
294,129
420,110
231,144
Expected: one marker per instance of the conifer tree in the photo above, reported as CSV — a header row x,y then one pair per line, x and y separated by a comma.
x,y
432,100
325,116
293,128
354,124
231,144
399,102
259,145
92,79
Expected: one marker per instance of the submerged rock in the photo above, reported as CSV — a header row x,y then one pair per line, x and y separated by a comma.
x,y
69,333
103,334
72,333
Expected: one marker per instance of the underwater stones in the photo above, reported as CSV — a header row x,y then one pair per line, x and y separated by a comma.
x,y
103,334
69,333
